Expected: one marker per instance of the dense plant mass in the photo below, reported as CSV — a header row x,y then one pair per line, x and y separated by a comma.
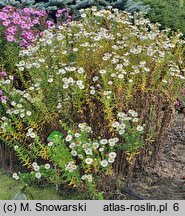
x,y
170,13
20,28
95,95
76,5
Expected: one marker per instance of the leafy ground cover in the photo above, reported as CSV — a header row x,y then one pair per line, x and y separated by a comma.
x,y
170,13
9,187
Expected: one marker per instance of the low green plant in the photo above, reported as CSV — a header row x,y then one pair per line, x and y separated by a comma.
x,y
170,14
97,95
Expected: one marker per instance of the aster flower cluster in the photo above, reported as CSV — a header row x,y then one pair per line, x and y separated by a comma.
x,y
22,25
19,24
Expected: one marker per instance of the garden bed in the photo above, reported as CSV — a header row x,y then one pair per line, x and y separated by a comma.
x,y
165,181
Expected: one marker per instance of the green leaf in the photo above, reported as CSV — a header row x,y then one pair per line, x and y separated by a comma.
x,y
55,135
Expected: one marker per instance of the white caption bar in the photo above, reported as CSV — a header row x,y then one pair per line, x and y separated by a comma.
x,y
95,208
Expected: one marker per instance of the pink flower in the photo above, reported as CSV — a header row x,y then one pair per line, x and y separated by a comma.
x,y
6,23
50,23
3,99
3,16
1,92
10,38
3,74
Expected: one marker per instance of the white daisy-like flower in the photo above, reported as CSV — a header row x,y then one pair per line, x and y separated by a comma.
x,y
80,70
121,132
88,160
65,86
47,166
72,145
13,103
34,164
134,114
139,128
22,115
81,87
16,147
121,114
84,177
28,113
50,80
14,175
32,135
111,160
120,76
50,144
79,82
69,138
115,124
74,153
122,126
83,15
77,135
92,92
101,149
89,178
112,142
36,168
17,178
38,175
116,139
75,49
95,78
80,156
131,111
112,154
103,141
135,120
88,151
95,145
102,71
104,163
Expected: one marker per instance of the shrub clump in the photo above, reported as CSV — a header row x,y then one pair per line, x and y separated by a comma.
x,y
96,98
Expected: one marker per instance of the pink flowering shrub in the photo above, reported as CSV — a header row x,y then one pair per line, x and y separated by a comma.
x,y
19,29
19,24
23,25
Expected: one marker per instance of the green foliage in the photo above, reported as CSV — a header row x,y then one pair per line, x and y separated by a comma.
x,y
9,52
9,187
73,116
76,5
170,13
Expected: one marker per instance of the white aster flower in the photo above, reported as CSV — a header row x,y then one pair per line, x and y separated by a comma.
x,y
50,80
74,153
47,166
104,163
112,154
69,138
139,128
103,141
34,164
28,113
88,160
36,168
38,175
50,144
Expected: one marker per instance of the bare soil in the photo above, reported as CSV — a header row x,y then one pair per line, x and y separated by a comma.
x,y
165,180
